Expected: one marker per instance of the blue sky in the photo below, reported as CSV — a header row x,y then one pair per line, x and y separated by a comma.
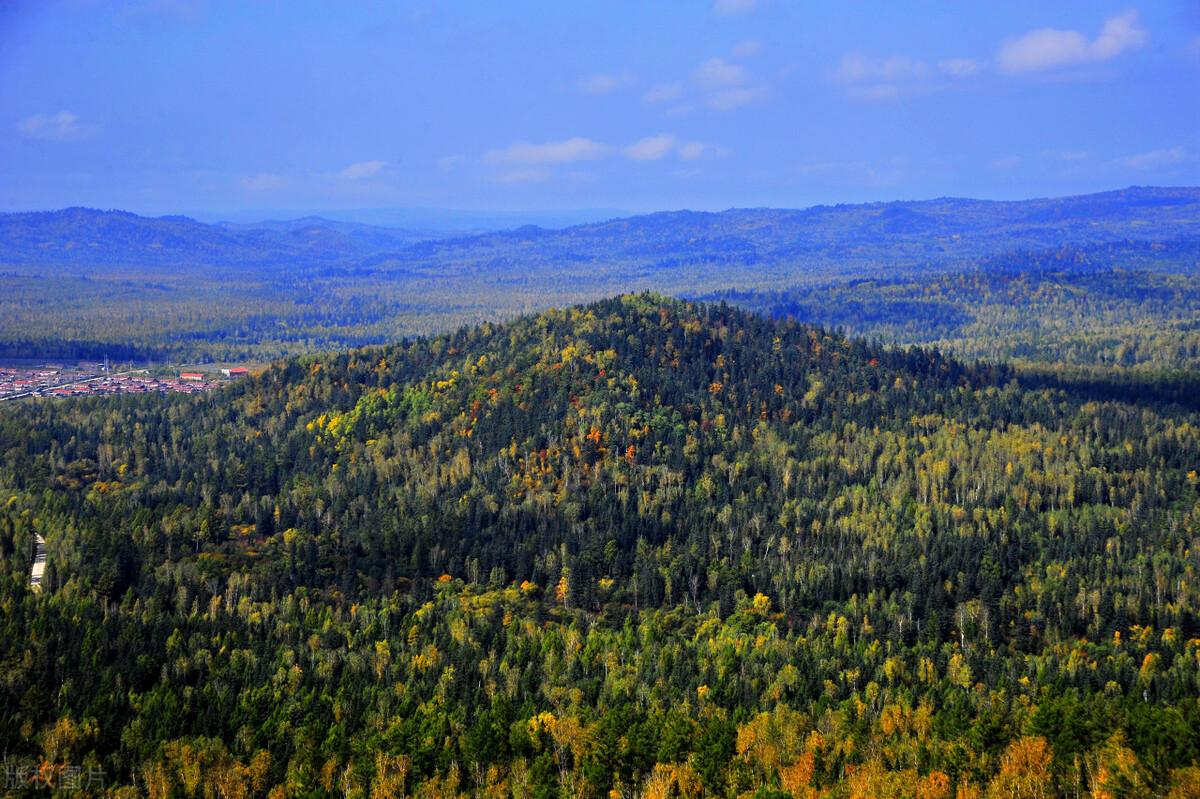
x,y
164,106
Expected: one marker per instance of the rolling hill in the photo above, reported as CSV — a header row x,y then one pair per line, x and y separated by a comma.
x,y
640,542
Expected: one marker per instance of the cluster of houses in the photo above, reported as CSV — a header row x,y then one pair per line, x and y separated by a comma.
x,y
80,381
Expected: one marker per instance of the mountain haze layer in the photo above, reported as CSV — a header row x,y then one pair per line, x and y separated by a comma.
x,y
835,238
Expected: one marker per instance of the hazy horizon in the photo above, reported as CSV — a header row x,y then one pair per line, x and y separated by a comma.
x,y
467,219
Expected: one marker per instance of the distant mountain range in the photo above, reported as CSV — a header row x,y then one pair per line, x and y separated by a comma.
x,y
443,221
88,237
833,240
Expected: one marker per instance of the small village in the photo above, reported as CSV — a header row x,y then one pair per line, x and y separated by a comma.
x,y
93,380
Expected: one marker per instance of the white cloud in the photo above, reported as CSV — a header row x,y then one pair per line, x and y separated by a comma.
x,y
263,182
1044,48
727,8
858,68
724,85
959,67
652,148
877,79
523,176
747,48
717,73
604,83
691,150
1070,155
868,78
447,162
656,148
1119,34
63,126
363,169
730,99
663,93
1005,164
1155,159
576,148
879,91
1050,48
896,76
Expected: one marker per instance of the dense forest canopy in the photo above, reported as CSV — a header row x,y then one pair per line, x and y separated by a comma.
x,y
641,546
1122,304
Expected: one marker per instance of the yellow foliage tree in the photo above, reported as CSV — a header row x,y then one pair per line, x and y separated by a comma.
x,y
872,780
1117,772
391,772
934,785
796,778
1185,783
1024,771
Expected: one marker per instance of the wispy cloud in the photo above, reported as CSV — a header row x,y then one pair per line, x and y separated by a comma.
x,y
363,169
747,48
663,93
959,67
731,99
858,68
726,86
605,83
1005,164
717,73
895,76
1066,156
523,176
535,163
726,8
1051,48
887,78
652,148
656,148
576,148
1155,159
63,126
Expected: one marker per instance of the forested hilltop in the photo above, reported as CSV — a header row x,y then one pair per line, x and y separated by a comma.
x,y
638,548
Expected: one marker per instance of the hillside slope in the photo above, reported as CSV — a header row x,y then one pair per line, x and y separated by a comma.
x,y
557,552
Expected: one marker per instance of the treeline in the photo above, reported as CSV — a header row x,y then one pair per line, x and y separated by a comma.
x,y
640,546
